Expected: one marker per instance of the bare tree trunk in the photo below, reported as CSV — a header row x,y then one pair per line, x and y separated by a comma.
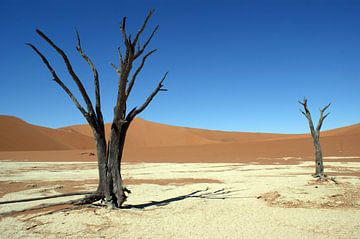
x,y
114,174
318,160
109,155
315,133
103,188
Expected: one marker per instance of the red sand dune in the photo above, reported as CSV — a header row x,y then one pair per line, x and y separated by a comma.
x,y
146,134
18,135
153,142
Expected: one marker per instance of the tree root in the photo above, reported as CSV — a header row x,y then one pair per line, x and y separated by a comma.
x,y
126,190
90,199
324,177
320,176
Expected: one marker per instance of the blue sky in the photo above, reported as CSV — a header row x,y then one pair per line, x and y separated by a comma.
x,y
233,65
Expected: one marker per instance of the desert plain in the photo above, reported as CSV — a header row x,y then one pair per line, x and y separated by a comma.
x,y
185,183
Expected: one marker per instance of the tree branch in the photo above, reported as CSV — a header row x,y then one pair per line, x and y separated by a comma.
x,y
96,78
70,70
302,112
132,81
123,32
139,52
325,108
117,70
322,117
307,114
59,82
121,59
150,98
151,12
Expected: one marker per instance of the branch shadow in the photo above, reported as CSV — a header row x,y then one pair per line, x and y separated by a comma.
x,y
206,194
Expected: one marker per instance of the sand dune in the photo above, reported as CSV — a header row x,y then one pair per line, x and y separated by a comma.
x,y
153,142
161,135
152,134
18,135
268,151
166,143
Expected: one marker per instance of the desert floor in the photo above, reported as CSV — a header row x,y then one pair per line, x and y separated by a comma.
x,y
189,200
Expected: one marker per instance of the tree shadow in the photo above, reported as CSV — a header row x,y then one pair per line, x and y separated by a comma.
x,y
220,194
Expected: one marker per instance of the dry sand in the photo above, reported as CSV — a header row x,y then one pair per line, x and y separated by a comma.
x,y
191,200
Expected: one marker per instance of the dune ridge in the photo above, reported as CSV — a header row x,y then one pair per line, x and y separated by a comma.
x,y
154,142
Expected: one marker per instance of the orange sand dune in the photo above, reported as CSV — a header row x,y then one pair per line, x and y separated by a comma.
x,y
276,150
17,135
152,134
161,135
153,142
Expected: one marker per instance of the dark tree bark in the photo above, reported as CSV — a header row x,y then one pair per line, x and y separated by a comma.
x,y
315,134
109,153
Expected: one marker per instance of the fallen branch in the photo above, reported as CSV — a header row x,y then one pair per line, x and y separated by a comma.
x,y
334,180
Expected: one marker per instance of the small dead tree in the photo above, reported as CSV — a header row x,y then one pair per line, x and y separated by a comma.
x,y
109,153
315,133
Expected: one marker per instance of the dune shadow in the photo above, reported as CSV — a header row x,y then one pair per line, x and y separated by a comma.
x,y
205,194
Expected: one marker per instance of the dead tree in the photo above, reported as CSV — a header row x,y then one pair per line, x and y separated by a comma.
x,y
315,133
109,153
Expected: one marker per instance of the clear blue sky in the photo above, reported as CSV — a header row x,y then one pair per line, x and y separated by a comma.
x,y
233,65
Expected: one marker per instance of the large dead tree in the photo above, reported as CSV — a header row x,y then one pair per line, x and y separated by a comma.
x,y
315,133
109,153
